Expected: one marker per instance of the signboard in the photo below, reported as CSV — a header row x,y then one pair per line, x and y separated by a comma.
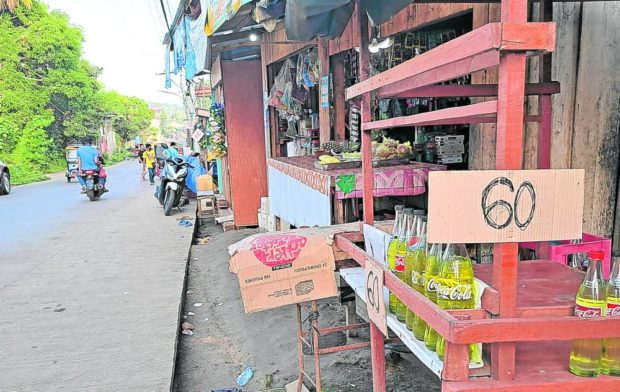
x,y
197,134
220,11
325,92
375,300
505,206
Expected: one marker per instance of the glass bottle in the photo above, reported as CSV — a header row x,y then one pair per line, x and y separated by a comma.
x,y
591,301
610,363
433,261
391,251
415,323
401,254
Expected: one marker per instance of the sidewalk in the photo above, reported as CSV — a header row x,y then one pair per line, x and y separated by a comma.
x,y
105,318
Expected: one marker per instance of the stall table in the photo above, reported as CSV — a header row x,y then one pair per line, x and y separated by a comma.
x,y
306,196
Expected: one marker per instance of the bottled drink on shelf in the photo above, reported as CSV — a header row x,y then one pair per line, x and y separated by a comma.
x,y
391,252
401,255
415,323
456,290
591,301
610,363
433,261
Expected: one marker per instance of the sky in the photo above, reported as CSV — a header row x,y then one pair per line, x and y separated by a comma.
x,y
124,37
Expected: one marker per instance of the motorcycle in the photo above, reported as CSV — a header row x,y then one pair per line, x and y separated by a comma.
x,y
94,189
170,190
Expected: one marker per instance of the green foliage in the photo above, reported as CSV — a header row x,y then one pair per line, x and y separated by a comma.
x,y
50,95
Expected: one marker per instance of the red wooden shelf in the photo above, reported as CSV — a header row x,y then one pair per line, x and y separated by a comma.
x,y
474,51
465,90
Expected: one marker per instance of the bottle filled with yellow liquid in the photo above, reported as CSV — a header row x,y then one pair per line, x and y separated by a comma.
x,y
433,261
456,290
414,322
391,251
611,352
591,301
401,254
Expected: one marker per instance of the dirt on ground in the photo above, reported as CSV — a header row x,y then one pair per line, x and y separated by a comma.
x,y
226,340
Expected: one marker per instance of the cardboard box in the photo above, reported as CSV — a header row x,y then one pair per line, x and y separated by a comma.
x,y
264,205
278,269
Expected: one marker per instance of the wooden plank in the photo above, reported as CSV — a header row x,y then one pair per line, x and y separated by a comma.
x,y
324,116
472,90
364,72
442,73
597,119
479,41
421,15
522,36
337,68
436,117
457,368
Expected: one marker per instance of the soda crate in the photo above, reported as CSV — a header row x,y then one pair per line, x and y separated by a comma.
x,y
559,250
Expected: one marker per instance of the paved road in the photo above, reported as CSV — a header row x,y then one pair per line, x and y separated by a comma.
x,y
89,291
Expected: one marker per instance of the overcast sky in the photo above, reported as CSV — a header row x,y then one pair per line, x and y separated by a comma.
x,y
124,37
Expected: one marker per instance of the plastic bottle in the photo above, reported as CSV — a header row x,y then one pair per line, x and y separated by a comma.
x,y
401,254
433,261
591,301
610,363
391,252
415,323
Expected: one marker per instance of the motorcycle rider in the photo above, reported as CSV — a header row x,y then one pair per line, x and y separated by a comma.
x,y
89,159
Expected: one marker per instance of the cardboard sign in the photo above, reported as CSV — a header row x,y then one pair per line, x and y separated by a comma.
x,y
505,206
277,269
375,300
197,135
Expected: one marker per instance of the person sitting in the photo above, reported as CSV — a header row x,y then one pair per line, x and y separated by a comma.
x,y
89,159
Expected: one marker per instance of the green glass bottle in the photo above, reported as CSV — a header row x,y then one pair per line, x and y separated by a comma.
x,y
433,261
414,322
401,254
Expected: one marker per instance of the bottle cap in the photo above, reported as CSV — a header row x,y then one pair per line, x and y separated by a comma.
x,y
596,255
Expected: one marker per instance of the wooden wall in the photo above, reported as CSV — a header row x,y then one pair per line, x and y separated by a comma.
x,y
586,114
274,53
419,15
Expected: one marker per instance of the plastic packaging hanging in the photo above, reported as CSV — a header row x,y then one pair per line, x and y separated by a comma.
x,y
280,93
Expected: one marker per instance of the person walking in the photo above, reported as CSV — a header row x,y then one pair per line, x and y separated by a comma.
x,y
141,150
150,161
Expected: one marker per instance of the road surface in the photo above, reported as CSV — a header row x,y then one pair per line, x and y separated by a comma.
x,y
89,291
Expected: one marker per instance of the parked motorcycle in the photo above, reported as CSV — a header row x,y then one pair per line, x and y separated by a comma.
x,y
94,189
170,190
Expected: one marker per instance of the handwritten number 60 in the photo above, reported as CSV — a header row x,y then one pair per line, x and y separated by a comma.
x,y
372,287
512,211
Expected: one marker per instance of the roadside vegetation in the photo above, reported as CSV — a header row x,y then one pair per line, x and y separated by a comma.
x,y
49,94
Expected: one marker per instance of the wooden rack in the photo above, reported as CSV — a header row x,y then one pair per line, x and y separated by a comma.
x,y
516,331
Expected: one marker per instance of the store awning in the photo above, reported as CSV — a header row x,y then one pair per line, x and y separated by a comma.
x,y
223,14
308,19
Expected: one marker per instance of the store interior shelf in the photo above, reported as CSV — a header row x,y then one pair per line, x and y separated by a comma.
x,y
471,90
474,51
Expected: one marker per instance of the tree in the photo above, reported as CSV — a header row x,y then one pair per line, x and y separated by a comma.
x,y
129,115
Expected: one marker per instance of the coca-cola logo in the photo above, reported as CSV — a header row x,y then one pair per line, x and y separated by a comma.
x,y
461,292
584,311
400,263
431,285
613,309
278,249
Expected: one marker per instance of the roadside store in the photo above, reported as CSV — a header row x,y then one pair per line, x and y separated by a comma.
x,y
523,326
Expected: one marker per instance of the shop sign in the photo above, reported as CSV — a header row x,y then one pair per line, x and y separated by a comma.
x,y
375,299
197,134
497,206
219,11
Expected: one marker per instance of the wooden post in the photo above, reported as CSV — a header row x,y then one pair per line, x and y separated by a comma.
x,y
324,121
339,103
545,14
509,155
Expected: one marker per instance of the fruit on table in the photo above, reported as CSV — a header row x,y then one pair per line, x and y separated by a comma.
x,y
328,159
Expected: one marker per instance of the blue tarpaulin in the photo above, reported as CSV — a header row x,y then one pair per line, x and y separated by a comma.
x,y
198,170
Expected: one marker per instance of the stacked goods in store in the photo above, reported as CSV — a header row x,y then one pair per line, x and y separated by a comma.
x,y
390,148
400,260
433,262
610,363
391,252
456,290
